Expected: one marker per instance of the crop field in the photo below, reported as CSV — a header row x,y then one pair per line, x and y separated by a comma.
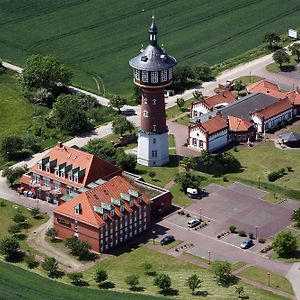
x,y
98,37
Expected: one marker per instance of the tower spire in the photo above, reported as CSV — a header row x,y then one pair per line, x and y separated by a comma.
x,y
153,33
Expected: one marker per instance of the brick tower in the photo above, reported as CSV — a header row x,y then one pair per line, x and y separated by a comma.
x,y
152,71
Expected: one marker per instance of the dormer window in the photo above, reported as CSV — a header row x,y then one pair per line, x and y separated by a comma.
x,y
78,209
164,75
145,76
154,77
40,167
76,179
139,199
70,177
112,213
62,174
121,208
47,169
131,203
57,172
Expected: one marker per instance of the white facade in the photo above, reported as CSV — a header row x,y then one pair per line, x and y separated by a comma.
x,y
271,122
198,109
199,140
153,149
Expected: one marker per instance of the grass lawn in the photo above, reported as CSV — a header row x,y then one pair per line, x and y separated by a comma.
x,y
165,247
286,67
115,138
175,111
184,120
8,211
264,158
16,283
109,33
247,80
260,275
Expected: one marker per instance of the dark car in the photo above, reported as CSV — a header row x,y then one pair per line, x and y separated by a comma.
x,y
128,112
167,240
246,244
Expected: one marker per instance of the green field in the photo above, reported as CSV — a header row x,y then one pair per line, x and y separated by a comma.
x,y
99,37
16,283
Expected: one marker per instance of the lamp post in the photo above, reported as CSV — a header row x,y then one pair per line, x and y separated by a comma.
x,y
256,232
258,178
200,213
209,254
269,278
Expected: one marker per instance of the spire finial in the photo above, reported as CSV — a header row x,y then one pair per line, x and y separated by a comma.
x,y
153,32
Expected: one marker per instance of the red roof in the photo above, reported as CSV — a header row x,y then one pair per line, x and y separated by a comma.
x,y
294,97
222,97
274,109
213,125
94,166
265,87
94,197
238,125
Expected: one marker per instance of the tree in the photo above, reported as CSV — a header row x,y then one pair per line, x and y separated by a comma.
x,y
281,57
132,280
50,265
14,229
206,158
222,271
296,217
10,146
239,290
163,281
12,174
30,261
198,95
194,282
284,244
9,246
101,276
35,212
67,115
203,72
188,163
127,162
181,77
51,232
239,86
188,180
101,148
41,96
118,102
295,49
271,38
180,103
76,278
44,72
147,268
152,174
121,125
78,248
19,218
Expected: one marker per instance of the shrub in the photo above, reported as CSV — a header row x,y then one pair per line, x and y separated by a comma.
x,y
251,235
76,278
101,276
242,233
9,247
30,261
188,215
261,240
232,228
284,243
289,168
19,218
163,281
218,236
222,271
225,179
50,265
132,280
51,232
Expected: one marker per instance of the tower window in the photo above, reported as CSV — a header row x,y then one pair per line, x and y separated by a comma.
x,y
137,74
154,127
154,77
164,75
170,74
145,113
145,101
154,101
154,141
144,76
154,153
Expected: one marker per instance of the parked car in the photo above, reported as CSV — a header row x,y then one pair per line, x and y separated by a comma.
x,y
128,112
246,244
193,223
193,193
167,240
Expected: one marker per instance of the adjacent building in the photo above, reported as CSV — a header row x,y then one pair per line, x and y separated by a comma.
x,y
65,171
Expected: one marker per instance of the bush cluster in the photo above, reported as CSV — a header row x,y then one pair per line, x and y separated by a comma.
x,y
273,176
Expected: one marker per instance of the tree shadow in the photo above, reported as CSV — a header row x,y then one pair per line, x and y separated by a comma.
x,y
137,289
229,281
26,225
106,285
151,273
15,257
81,283
288,68
244,297
91,256
39,217
21,236
201,293
169,292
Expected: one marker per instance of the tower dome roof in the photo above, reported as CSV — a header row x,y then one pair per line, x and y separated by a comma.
x,y
153,58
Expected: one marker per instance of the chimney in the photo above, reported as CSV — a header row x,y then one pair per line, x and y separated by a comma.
x,y
59,144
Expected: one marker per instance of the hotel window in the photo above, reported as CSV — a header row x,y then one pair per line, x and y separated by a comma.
x,y
70,177
62,174
40,167
201,144
145,226
137,74
111,227
140,222
154,127
47,169
112,213
106,234
121,232
154,77
145,220
36,178
126,236
101,249
164,75
145,101
131,203
122,208
145,213
145,76
135,232
56,185
170,74
121,239
130,234
69,189
57,172
46,181
104,216
140,229
121,224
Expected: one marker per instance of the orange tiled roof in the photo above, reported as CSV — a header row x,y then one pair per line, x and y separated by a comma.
x,y
294,97
213,125
103,193
94,166
237,124
222,97
274,109
266,87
